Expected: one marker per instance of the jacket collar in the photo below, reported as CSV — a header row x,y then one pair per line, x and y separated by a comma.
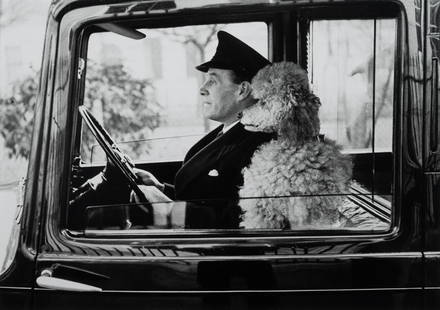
x,y
207,151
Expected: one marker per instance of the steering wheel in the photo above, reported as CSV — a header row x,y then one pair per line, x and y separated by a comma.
x,y
119,159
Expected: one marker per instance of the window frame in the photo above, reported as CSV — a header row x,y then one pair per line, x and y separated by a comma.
x,y
276,45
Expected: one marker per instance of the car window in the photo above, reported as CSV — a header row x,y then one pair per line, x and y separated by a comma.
x,y
145,93
352,71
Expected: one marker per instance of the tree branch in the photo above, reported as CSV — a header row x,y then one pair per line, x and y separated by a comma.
x,y
13,12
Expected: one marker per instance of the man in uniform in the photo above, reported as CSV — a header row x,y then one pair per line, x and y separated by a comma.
x,y
210,175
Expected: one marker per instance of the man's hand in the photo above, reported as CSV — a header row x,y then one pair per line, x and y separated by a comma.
x,y
87,189
113,175
149,179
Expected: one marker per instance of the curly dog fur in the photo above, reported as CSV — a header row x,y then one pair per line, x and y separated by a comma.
x,y
286,184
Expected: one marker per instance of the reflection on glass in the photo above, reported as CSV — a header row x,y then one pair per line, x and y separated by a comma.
x,y
352,63
356,211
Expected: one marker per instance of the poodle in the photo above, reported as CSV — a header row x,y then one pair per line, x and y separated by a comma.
x,y
299,179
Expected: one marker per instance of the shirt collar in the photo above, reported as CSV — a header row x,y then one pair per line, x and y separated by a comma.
x,y
225,129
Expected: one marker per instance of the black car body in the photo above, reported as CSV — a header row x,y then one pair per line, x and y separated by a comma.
x,y
397,268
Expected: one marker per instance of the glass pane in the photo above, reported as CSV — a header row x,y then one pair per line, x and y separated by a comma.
x,y
195,215
146,92
352,71
343,75
156,117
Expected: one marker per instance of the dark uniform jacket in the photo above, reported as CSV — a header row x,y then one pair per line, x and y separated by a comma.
x,y
210,177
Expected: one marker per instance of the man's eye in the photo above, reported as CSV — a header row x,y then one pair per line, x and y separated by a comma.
x,y
209,82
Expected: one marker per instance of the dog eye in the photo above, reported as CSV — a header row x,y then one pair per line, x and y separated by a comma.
x,y
261,102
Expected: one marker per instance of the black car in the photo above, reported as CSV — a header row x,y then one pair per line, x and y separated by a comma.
x,y
128,67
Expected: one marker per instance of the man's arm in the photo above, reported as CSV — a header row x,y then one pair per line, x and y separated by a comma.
x,y
168,190
149,179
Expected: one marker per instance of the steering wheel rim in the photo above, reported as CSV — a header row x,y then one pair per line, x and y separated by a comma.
x,y
121,161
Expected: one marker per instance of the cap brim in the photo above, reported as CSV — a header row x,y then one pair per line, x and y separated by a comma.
x,y
204,67
216,64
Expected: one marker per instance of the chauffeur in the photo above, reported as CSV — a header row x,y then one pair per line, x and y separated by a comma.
x,y
211,172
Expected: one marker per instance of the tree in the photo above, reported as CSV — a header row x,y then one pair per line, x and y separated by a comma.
x,y
16,117
128,106
345,73
13,11
198,38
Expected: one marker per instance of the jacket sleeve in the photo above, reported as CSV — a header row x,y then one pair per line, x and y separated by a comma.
x,y
169,190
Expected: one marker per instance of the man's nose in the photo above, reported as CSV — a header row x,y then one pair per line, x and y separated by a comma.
x,y
203,91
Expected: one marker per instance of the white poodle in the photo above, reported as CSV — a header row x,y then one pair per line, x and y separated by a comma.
x,y
296,180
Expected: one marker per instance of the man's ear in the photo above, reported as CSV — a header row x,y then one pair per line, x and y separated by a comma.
x,y
244,90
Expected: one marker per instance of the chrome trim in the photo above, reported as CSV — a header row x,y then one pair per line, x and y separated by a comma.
x,y
58,284
86,258
186,236
379,289
15,288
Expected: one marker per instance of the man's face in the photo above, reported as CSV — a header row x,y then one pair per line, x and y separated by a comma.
x,y
219,96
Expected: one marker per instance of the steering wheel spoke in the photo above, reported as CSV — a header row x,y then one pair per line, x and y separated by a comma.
x,y
119,159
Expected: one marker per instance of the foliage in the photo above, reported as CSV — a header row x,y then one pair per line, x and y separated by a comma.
x,y
199,37
346,74
16,117
127,105
13,11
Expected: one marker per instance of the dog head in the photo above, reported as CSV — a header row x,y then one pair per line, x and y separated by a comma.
x,y
284,104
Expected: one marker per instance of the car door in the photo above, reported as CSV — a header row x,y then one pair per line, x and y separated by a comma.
x,y
17,263
21,201
374,264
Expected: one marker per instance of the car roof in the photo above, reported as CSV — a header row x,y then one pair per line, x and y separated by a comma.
x,y
58,7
